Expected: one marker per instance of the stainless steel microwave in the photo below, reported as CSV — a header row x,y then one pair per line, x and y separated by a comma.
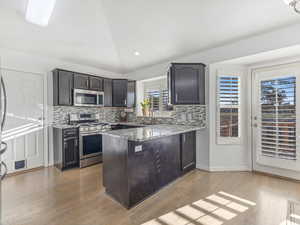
x,y
88,98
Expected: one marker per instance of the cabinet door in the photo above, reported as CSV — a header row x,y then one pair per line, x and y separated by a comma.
x,y
96,84
167,154
188,151
71,153
141,171
119,93
131,94
188,84
64,89
107,83
81,81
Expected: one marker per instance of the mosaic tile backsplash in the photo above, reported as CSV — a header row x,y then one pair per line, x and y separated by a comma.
x,y
61,113
193,115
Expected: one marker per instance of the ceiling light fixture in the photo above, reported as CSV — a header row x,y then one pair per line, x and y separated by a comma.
x,y
294,4
137,53
39,11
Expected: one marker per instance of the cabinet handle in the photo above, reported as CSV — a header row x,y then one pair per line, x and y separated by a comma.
x,y
176,97
87,83
76,142
66,144
125,101
183,136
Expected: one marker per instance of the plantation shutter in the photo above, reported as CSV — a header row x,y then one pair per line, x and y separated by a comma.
x,y
277,118
157,92
228,110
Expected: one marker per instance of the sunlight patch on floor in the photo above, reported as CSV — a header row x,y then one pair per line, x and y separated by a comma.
x,y
213,210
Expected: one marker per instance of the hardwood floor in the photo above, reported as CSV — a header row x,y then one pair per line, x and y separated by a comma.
x,y
77,197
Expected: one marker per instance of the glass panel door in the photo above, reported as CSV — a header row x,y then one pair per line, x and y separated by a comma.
x,y
276,117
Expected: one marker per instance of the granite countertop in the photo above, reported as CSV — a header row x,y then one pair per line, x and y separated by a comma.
x,y
151,132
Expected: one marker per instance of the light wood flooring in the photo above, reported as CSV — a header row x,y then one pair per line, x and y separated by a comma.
x,y
77,197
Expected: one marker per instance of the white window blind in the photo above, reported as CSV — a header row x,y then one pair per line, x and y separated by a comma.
x,y
228,110
278,118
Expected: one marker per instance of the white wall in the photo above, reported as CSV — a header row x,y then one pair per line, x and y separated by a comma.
x,y
32,63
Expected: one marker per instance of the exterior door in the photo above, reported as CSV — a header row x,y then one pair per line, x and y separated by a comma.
x,y
24,128
276,114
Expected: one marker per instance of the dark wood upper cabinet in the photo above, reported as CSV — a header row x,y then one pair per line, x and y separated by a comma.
x,y
96,83
81,81
131,94
187,83
107,85
62,87
119,90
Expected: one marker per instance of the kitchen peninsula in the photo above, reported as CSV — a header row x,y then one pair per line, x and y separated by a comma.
x,y
138,162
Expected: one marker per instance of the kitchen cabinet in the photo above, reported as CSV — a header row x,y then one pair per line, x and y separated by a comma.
x,y
131,94
187,83
81,81
107,86
188,151
167,154
134,170
96,83
119,92
66,148
62,87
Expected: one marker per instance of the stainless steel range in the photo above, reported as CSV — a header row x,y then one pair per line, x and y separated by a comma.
x,y
90,139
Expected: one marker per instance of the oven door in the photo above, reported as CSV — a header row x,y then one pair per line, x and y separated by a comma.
x,y
90,145
85,98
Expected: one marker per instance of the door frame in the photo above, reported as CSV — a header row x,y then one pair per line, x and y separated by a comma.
x,y
45,109
251,70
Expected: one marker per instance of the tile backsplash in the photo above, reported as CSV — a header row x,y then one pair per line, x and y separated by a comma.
x,y
194,115
61,113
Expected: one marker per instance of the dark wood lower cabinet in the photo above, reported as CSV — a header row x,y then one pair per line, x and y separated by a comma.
x,y
188,151
133,171
66,148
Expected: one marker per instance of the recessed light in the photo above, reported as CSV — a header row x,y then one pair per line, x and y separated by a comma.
x,y
39,12
137,53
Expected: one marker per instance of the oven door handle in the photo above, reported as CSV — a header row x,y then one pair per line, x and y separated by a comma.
x,y
90,134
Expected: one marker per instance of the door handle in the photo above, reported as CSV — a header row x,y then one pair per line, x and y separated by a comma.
x,y
4,103
5,169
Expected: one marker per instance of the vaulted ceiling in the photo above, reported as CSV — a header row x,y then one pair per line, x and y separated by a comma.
x,y
106,33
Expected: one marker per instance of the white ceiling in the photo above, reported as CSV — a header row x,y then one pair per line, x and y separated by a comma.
x,y
105,34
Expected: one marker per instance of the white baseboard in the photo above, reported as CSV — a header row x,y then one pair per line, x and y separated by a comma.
x,y
202,167
231,168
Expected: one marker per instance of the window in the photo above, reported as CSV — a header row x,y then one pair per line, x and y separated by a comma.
x,y
278,117
228,110
157,92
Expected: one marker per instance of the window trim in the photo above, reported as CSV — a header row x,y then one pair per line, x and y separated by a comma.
x,y
228,140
